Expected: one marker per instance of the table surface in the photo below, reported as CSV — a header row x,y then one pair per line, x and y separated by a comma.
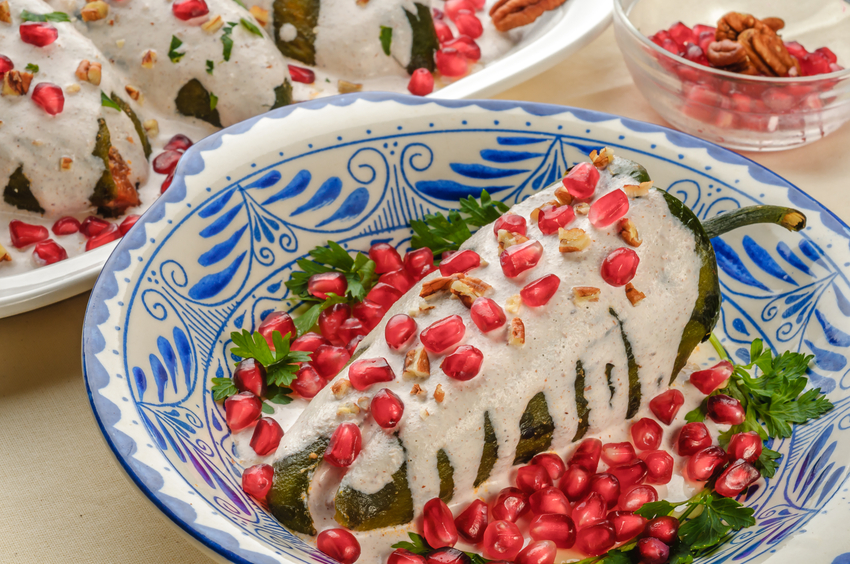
x,y
64,498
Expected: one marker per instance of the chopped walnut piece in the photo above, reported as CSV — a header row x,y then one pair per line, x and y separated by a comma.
x,y
603,158
634,294
151,127
563,195
416,364
584,294
72,88
65,163
149,59
437,285
260,14
345,87
89,72
468,288
629,233
4,256
419,309
572,240
508,239
513,303
134,93
418,390
312,456
5,13
638,190
120,43
516,332
439,394
535,213
348,409
363,403
94,11
16,83
424,413
582,208
341,387
213,24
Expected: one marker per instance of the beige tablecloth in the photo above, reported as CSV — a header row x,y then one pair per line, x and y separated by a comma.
x,y
62,496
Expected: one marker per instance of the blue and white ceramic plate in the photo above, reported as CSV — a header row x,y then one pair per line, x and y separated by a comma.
x,y
211,257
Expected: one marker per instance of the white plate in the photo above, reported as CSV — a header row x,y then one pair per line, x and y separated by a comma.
x,y
550,40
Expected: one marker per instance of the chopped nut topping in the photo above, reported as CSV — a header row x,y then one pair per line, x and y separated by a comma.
x,y
120,43
513,303
638,190
261,15
563,195
341,387
433,287
419,309
16,83
72,88
508,239
535,213
423,413
363,403
629,233
312,456
439,394
5,15
584,294
516,333
345,87
134,93
94,11
582,208
151,127
89,72
418,390
572,240
416,364
468,288
634,294
65,163
348,409
4,256
149,59
213,24
603,158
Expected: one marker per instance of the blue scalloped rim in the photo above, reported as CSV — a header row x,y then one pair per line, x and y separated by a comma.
x,y
107,414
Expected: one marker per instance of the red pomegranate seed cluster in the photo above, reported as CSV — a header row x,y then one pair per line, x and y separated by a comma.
x,y
166,161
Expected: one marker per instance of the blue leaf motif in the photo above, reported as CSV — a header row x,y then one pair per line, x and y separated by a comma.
x,y
353,206
221,250
785,252
763,260
810,250
160,377
184,350
230,493
825,359
831,483
739,326
731,264
266,181
834,336
141,381
261,228
295,187
214,419
743,354
519,140
200,469
273,288
483,172
326,194
169,357
496,156
816,447
825,383
211,284
221,223
843,303
157,436
239,320
217,205
451,190
170,440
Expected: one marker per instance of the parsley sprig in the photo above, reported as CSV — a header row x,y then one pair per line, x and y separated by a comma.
x,y
418,545
55,17
440,233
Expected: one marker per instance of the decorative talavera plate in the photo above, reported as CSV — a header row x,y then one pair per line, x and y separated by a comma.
x,y
212,256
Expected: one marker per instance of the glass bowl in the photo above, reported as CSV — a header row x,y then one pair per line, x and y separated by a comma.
x,y
741,112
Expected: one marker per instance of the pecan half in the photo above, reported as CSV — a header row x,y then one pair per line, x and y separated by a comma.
x,y
508,14
730,25
729,55
767,51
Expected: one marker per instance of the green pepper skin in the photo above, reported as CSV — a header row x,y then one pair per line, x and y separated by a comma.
x,y
193,100
137,124
304,15
447,476
635,393
113,193
535,429
282,95
581,403
288,497
489,454
18,193
425,42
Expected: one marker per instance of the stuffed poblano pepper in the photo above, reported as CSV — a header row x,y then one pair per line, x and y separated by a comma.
x,y
561,320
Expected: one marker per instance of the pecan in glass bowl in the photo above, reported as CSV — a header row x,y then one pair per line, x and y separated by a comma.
x,y
737,75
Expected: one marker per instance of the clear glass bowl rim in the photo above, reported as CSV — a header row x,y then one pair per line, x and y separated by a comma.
x,y
620,16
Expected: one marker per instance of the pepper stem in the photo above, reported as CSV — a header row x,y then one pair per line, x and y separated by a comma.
x,y
789,218
721,350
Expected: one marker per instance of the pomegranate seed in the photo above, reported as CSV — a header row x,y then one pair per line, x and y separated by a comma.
x,y
328,360
257,480
300,74
814,63
510,505
466,46
517,259
25,234
324,283
400,331
608,486
452,7
659,466
166,183
629,474
646,434
682,34
555,527
589,511
581,181
93,225
653,551
179,143
725,410
331,319
552,218
450,62
402,556
472,521
422,81
438,524
250,376
344,446
339,544
596,539
549,500
587,455
6,65
419,263
65,226
242,410
387,408
665,406
444,32
664,528
189,9
608,209
502,540
352,344
364,373
538,552
463,364
619,266
128,224
39,34
693,438
745,446
627,525
108,235
827,53
443,334
712,378
576,482
615,454
447,555
386,257
702,464
539,292
49,252
735,478
308,342
551,462
636,496
368,313
351,328
383,295
307,382
398,279
695,54
166,162
469,25
532,478
461,261
487,314
279,321
266,437
510,222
